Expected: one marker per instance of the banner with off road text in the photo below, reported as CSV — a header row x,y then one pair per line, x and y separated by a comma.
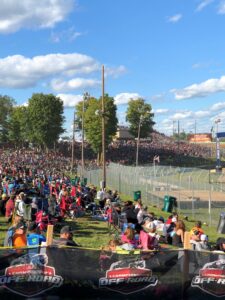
x,y
76,273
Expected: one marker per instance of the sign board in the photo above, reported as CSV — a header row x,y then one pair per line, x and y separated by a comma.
x,y
200,138
220,134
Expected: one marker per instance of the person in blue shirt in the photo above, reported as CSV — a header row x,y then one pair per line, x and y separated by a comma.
x,y
34,238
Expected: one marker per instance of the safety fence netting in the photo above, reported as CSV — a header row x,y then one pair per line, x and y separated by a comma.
x,y
77,273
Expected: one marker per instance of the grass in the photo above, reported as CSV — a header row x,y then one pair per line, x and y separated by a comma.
x,y
88,232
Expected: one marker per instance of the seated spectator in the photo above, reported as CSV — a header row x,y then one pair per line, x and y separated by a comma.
x,y
220,244
66,237
178,234
220,247
128,239
170,229
196,232
161,228
138,205
150,228
172,219
131,215
34,238
11,230
203,244
19,238
142,214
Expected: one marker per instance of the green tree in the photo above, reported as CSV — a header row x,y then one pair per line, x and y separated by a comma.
x,y
19,125
45,114
93,121
139,114
6,106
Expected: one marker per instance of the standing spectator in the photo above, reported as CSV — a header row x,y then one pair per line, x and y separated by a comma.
x,y
9,208
2,204
20,205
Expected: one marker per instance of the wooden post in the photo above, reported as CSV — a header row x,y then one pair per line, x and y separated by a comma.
x,y
49,235
187,246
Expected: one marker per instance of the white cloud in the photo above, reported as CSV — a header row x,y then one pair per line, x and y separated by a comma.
x,y
124,98
175,18
70,100
121,115
158,97
115,72
218,106
18,14
202,114
182,115
160,111
202,89
73,84
203,4
221,8
21,72
69,35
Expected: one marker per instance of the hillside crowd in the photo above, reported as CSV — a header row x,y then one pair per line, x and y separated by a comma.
x,y
124,151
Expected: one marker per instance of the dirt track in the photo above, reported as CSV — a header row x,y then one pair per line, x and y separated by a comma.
x,y
187,195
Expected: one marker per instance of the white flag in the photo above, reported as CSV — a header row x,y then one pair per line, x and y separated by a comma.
x,y
156,158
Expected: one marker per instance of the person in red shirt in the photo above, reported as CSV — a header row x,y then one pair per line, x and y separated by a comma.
x,y
9,208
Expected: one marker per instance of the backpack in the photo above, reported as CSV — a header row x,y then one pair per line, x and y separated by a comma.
x,y
8,241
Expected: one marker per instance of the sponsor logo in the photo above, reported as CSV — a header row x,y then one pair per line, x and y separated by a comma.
x,y
211,278
29,275
128,277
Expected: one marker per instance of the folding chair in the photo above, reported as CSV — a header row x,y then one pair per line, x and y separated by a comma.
x,y
113,220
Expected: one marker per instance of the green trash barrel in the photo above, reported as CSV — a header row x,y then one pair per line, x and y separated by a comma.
x,y
84,182
221,225
137,195
169,203
77,180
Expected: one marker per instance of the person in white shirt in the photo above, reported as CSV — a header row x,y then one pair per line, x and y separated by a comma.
x,y
20,205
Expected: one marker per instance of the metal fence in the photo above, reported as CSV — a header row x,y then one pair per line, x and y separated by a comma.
x,y
197,196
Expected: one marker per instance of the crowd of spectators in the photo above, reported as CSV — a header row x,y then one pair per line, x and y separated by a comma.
x,y
124,151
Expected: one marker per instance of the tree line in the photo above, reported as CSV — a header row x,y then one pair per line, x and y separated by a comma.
x,y
41,121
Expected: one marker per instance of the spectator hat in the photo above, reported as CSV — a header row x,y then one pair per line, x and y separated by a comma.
x,y
151,225
66,229
32,226
161,219
21,225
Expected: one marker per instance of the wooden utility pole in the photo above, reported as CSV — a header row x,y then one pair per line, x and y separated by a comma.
x,y
103,131
82,144
73,137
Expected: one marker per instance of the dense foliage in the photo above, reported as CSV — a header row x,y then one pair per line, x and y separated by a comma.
x,y
41,122
139,115
91,110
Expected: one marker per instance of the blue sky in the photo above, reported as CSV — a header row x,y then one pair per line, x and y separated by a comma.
x,y
169,52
